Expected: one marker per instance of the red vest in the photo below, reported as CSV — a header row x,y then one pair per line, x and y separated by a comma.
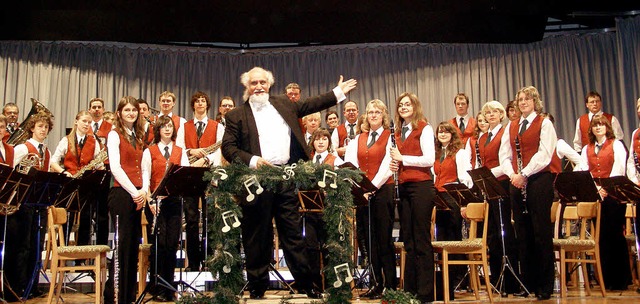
x,y
584,127
556,163
446,172
370,159
159,163
342,135
130,159
469,128
208,137
635,142
103,131
529,142
329,160
72,163
600,165
489,153
148,136
45,165
411,147
8,154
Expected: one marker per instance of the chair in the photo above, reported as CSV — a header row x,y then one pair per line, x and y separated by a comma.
x,y
474,247
61,253
144,250
583,248
630,236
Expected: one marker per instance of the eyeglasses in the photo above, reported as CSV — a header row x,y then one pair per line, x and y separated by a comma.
x,y
351,110
371,113
227,106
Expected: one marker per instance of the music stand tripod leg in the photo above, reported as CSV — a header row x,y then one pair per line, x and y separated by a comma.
x,y
506,263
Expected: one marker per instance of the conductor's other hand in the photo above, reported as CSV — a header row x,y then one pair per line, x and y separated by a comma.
x,y
348,85
262,162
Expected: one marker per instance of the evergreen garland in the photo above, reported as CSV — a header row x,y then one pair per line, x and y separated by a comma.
x,y
225,195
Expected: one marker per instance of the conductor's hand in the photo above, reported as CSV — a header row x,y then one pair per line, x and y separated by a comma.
x,y
348,85
518,181
262,162
395,154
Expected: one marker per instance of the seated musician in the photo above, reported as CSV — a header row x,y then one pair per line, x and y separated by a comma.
x,y
75,151
167,215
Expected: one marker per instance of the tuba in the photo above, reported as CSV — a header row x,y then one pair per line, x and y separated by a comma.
x,y
21,135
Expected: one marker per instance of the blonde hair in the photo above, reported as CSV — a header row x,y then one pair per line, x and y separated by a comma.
x,y
376,104
532,92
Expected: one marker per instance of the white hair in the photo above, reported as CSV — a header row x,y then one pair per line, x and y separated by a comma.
x,y
244,79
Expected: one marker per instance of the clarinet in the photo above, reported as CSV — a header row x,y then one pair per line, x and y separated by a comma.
x,y
478,160
635,161
524,187
116,263
396,192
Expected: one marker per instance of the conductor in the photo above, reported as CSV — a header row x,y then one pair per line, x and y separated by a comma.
x,y
263,131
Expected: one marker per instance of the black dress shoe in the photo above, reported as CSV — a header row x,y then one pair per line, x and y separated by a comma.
x,y
313,293
256,294
543,296
522,293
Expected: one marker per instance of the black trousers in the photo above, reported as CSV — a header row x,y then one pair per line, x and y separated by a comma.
x,y
195,252
314,236
494,241
96,208
362,231
129,230
383,258
449,228
257,237
168,227
613,245
416,207
535,232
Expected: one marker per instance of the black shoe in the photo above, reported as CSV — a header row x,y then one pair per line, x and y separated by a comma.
x,y
256,294
313,293
543,296
522,293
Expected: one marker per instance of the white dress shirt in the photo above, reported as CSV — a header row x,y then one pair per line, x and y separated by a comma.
x,y
619,158
20,151
632,172
577,138
564,150
427,146
63,146
383,174
335,138
541,159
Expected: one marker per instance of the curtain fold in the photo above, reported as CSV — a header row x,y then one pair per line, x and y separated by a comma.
x,y
66,75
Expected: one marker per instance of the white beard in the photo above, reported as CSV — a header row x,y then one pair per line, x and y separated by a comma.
x,y
259,101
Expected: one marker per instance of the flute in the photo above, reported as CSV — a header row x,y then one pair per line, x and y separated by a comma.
x,y
396,192
524,187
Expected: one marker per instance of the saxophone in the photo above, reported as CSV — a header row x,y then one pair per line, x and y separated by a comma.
x,y
207,150
524,187
99,159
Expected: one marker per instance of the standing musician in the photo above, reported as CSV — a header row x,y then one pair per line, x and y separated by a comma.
x,y
167,215
10,112
370,153
347,131
464,123
196,136
414,155
264,131
75,151
126,198
145,113
7,150
451,166
225,105
6,158
167,102
488,148
633,166
21,254
482,127
537,141
100,128
605,156
593,102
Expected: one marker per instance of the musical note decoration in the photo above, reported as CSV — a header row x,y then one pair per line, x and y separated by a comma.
x,y
233,218
224,256
252,181
339,269
341,228
222,172
330,174
288,172
226,268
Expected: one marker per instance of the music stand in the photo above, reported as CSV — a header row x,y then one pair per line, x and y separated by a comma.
x,y
14,187
576,186
444,201
492,191
178,181
461,193
620,188
358,191
43,193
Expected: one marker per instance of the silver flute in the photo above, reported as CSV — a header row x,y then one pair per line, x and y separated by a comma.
x,y
116,263
524,187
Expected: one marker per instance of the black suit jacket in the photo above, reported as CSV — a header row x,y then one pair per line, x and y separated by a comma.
x,y
241,141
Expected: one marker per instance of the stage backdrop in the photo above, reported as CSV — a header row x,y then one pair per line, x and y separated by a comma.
x,y
65,75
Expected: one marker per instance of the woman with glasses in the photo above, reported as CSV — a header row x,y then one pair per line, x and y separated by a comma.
x,y
369,151
414,155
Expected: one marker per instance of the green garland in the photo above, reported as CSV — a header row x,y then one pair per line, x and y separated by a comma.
x,y
227,185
